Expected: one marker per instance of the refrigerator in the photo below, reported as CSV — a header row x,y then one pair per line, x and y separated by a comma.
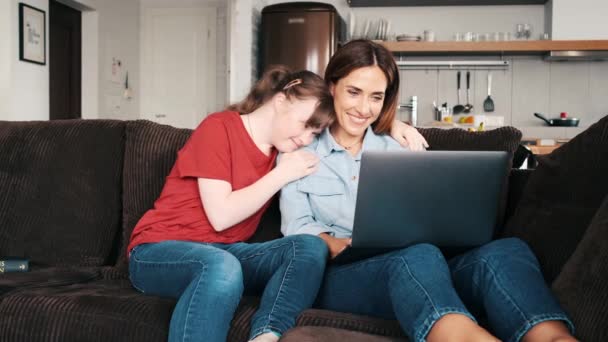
x,y
301,35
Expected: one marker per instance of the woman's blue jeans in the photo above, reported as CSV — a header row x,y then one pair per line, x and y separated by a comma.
x,y
503,282
209,279
416,285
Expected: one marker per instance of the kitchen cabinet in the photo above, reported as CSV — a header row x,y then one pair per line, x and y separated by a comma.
x,y
525,47
577,19
392,3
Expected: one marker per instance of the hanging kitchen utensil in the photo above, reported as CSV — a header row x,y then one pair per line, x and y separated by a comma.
x,y
562,121
365,34
387,30
458,108
468,106
488,104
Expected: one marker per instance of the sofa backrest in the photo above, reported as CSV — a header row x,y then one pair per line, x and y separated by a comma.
x,y
455,139
72,191
60,184
150,152
151,149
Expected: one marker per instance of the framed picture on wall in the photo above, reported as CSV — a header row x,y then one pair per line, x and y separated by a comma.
x,y
32,34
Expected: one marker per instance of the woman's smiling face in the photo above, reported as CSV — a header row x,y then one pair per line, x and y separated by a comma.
x,y
358,99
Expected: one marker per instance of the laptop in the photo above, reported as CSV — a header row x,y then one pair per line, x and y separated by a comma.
x,y
450,199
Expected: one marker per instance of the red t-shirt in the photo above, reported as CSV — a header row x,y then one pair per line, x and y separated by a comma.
x,y
219,148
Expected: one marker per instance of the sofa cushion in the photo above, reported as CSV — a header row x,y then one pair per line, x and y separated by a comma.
x,y
46,277
150,152
561,196
456,139
270,224
365,324
241,323
102,310
61,188
500,139
99,311
582,285
325,334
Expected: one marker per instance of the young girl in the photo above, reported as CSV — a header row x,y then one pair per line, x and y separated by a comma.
x,y
430,297
190,245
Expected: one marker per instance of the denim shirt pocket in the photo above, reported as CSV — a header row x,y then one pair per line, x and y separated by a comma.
x,y
325,196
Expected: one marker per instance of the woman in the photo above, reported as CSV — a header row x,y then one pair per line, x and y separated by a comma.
x,y
415,285
190,245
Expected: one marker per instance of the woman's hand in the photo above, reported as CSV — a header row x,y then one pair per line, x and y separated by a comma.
x,y
335,245
408,136
295,165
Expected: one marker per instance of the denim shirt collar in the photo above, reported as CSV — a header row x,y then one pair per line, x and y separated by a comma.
x,y
327,143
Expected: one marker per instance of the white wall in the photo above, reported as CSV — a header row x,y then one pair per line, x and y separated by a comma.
x,y
240,58
579,19
118,24
340,5
445,21
5,58
90,64
24,85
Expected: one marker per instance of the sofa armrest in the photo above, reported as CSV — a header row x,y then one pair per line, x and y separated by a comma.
x,y
581,286
518,178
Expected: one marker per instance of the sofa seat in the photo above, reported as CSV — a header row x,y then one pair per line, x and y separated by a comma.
x,y
101,310
319,319
365,324
47,277
326,334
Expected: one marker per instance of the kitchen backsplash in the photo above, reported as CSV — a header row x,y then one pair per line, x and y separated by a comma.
x,y
528,85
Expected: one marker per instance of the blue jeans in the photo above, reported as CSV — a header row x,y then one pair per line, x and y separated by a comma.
x,y
209,279
412,284
502,281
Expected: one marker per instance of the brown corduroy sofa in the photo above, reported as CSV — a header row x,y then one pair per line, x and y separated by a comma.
x,y
71,193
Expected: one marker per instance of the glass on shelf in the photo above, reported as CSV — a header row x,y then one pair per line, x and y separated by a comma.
x,y
519,31
527,31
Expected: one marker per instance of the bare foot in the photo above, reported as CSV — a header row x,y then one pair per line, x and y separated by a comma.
x,y
267,337
458,328
549,331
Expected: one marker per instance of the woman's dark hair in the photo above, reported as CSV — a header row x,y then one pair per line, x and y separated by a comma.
x,y
300,85
364,53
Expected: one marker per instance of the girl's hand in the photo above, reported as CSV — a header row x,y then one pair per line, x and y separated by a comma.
x,y
408,136
335,245
295,165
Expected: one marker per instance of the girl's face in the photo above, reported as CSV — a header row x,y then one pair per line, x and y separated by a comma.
x,y
289,131
358,99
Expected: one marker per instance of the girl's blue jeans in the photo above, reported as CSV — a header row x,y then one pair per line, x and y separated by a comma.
x,y
209,279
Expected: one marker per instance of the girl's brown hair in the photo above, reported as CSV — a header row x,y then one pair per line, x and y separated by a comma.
x,y
364,53
300,85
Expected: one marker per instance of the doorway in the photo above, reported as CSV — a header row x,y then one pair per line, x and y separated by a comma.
x,y
65,65
178,75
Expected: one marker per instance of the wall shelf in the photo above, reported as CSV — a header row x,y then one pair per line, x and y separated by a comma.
x,y
526,47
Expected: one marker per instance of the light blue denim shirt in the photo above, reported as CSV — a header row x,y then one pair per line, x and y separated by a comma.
x,y
324,202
